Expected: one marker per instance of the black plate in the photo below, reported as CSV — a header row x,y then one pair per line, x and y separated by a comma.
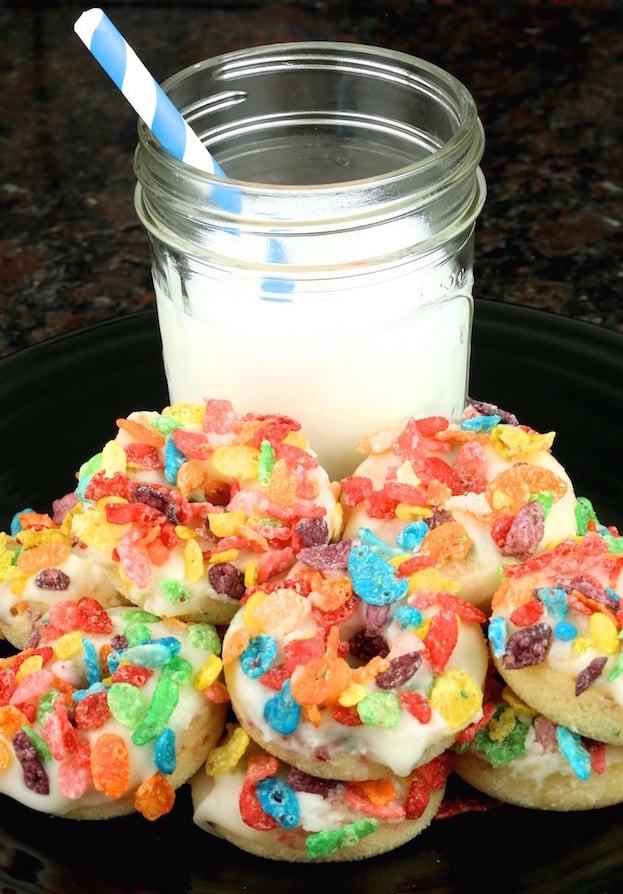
x,y
60,400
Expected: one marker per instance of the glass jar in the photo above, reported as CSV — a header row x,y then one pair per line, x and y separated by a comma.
x,y
329,276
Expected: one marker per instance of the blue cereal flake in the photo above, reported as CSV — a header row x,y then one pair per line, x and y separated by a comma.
x,y
554,600
282,712
480,423
408,616
497,636
279,801
412,535
174,459
571,748
164,752
369,539
565,631
374,579
16,525
91,662
258,655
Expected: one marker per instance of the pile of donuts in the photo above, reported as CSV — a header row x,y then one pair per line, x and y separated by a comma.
x,y
314,658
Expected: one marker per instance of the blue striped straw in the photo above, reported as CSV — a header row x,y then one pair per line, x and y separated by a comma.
x,y
142,91
165,121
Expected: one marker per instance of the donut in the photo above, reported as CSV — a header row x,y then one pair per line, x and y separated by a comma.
x,y
523,758
472,495
40,565
261,805
108,711
555,633
348,670
186,507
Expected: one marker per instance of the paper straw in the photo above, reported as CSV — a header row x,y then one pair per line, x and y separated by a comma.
x,y
142,91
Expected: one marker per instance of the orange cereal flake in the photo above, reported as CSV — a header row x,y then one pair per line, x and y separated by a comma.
x,y
155,797
110,765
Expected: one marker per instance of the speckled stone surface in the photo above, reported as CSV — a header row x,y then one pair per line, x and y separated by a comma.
x,y
547,78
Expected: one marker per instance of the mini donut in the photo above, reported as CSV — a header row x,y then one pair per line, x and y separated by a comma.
x,y
186,507
469,496
521,757
108,712
271,810
348,670
40,565
555,634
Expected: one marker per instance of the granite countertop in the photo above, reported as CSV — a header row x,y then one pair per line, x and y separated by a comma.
x,y
547,79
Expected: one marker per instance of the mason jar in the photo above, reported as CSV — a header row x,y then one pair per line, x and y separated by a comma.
x,y
328,277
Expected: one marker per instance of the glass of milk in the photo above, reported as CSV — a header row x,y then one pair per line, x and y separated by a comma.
x,y
329,277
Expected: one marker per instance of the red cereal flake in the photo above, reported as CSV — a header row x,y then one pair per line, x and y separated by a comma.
x,y
468,734
347,715
431,425
143,456
440,639
74,774
133,674
110,765
597,751
436,469
527,614
7,685
436,771
273,563
275,677
102,485
417,798
251,811
471,467
155,797
217,693
413,564
500,528
92,712
220,417
355,489
92,617
465,610
194,445
58,732
133,514
339,615
416,704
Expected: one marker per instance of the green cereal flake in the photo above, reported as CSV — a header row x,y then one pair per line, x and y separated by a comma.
x,y
174,591
204,636
322,844
380,709
503,751
165,425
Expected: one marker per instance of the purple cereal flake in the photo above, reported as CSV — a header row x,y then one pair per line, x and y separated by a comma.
x,y
486,409
592,590
376,615
526,531
328,557
589,674
312,531
163,500
366,644
545,732
119,642
400,670
300,781
61,507
52,579
527,647
226,580
438,517
35,777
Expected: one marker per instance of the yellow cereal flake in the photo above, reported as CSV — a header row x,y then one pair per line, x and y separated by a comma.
x,y
226,524
239,461
186,412
296,439
225,757
580,644
604,633
250,572
519,706
502,726
5,755
208,673
193,561
248,612
281,612
516,443
68,645
407,512
113,459
456,698
29,666
352,695
431,580
228,555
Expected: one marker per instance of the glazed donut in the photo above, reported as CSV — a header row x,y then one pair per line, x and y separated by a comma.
x,y
555,634
40,565
521,757
108,711
349,670
186,507
266,808
470,496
